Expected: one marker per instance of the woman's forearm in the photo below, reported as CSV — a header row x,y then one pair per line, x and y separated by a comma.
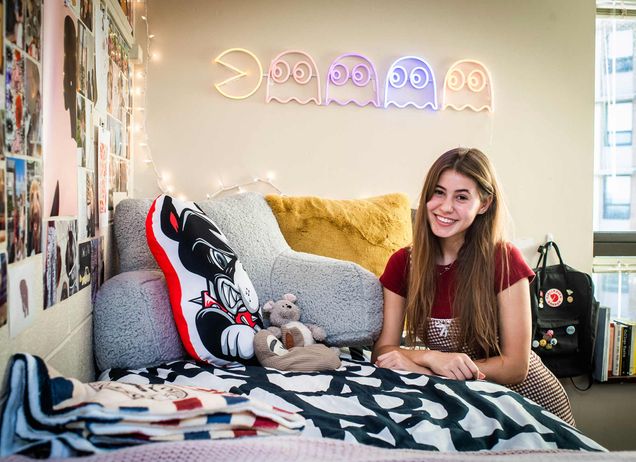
x,y
413,355
380,350
504,370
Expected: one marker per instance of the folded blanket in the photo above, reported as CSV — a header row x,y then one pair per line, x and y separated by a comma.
x,y
69,417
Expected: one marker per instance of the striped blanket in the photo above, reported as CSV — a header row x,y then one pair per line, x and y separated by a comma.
x,y
63,416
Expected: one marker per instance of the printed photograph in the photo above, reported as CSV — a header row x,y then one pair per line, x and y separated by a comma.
x,y
67,243
102,168
114,89
14,22
2,44
33,32
124,94
128,136
2,128
85,144
61,260
113,184
68,265
116,136
16,208
101,273
80,128
22,302
101,59
33,109
91,156
14,100
74,6
94,268
113,45
123,176
91,209
3,289
126,6
86,204
3,209
34,207
51,270
86,52
84,264
86,13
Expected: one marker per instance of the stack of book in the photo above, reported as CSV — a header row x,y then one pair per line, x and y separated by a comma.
x,y
615,349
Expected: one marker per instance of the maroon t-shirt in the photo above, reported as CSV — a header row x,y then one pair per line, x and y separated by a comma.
x,y
395,278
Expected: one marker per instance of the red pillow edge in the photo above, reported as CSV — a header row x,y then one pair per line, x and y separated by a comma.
x,y
172,280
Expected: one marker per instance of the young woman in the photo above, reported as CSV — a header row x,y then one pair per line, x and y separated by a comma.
x,y
463,290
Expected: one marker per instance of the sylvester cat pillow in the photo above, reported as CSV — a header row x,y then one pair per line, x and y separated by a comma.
x,y
214,303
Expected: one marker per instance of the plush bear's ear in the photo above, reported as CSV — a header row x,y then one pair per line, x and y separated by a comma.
x,y
267,307
290,297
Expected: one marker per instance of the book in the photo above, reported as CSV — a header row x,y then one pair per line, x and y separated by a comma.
x,y
602,344
610,351
632,370
616,367
629,361
626,343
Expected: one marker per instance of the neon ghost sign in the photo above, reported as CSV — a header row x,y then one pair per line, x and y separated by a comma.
x,y
352,78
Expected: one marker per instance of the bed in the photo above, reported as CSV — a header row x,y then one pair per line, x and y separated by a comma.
x,y
356,412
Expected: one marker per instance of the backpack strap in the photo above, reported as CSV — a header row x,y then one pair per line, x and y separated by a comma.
x,y
543,261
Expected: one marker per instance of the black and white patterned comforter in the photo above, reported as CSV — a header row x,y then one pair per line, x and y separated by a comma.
x,y
380,407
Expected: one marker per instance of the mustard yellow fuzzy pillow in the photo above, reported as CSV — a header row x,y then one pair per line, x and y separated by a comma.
x,y
364,231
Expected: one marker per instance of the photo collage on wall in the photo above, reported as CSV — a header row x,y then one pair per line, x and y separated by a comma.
x,y
75,244
51,235
21,163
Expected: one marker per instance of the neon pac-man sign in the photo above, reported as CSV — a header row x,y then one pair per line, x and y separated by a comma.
x,y
238,73
352,78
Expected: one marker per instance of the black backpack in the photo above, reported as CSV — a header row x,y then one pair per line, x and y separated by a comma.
x,y
564,316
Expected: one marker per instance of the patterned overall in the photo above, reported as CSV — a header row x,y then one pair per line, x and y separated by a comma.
x,y
541,386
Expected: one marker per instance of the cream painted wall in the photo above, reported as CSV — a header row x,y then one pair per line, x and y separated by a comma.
x,y
540,137
61,335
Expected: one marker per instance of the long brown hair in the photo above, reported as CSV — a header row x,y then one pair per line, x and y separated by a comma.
x,y
475,302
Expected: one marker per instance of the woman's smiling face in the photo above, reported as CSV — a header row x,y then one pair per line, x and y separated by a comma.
x,y
454,205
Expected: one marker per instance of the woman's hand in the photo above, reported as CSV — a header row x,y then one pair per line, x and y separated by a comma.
x,y
397,360
456,366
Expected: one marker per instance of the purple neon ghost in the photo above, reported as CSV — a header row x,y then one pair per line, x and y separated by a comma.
x,y
410,82
352,78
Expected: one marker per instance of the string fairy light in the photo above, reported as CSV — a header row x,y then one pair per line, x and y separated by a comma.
x,y
141,83
163,179
240,187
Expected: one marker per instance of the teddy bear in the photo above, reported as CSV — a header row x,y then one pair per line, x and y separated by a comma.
x,y
284,319
272,353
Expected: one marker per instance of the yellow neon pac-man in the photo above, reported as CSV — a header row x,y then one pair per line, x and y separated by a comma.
x,y
239,73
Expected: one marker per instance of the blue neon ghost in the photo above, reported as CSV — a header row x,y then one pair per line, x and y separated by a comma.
x,y
410,81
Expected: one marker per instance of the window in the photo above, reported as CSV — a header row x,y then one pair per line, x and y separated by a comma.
x,y
615,163
616,197
620,46
619,124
